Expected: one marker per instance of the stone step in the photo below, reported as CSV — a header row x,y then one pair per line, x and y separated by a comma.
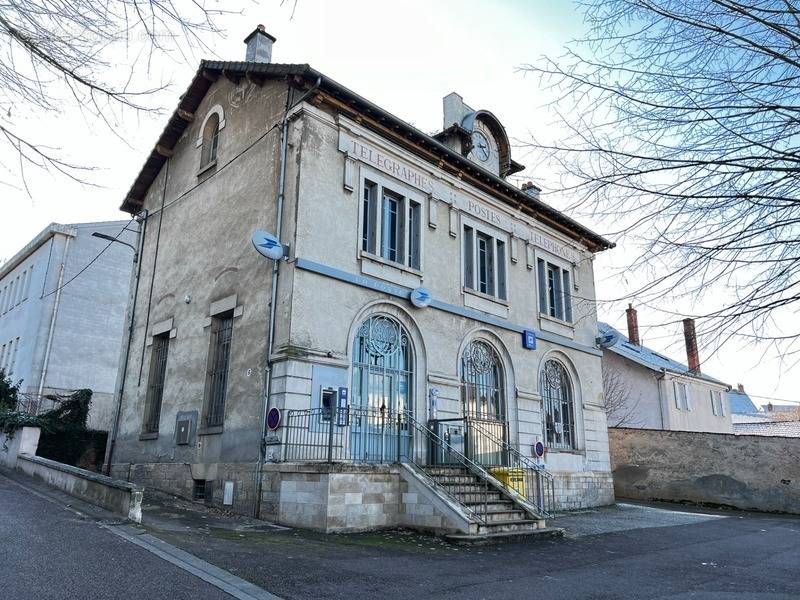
x,y
463,488
454,478
493,506
499,536
478,497
504,516
445,471
508,525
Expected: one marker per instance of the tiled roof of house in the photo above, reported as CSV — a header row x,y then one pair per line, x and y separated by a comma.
x,y
647,357
772,428
741,403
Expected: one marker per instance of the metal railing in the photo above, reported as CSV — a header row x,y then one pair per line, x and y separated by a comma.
x,y
367,435
484,443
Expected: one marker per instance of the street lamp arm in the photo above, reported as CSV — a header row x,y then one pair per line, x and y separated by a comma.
x,y
111,238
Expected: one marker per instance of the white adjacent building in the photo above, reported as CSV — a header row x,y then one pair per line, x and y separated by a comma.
x,y
62,310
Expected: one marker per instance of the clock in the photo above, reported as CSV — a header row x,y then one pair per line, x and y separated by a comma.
x,y
480,146
484,147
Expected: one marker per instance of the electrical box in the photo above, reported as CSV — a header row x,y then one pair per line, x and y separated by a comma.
x,y
183,429
227,494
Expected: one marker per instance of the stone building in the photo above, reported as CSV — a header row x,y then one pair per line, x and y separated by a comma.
x,y
61,318
652,391
424,306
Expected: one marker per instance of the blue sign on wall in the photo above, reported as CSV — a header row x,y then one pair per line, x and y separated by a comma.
x,y
529,339
342,409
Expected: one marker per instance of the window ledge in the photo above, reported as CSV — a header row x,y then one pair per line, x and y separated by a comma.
x,y
556,320
566,451
376,266
153,435
478,294
207,167
210,430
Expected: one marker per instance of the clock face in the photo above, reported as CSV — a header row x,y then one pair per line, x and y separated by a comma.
x,y
484,148
480,146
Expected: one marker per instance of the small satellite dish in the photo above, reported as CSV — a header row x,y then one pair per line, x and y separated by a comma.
x,y
420,297
608,339
267,245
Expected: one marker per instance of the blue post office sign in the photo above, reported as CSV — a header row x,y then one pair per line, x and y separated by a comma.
x,y
529,339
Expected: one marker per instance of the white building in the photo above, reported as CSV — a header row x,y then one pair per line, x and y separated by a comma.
x,y
654,391
426,302
61,318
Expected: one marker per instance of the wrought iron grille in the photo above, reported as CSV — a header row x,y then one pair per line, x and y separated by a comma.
x,y
558,407
481,383
155,387
218,376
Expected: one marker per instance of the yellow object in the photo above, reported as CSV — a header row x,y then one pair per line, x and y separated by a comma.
x,y
512,478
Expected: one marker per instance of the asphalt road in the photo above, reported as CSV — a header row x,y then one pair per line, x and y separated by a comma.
x,y
48,551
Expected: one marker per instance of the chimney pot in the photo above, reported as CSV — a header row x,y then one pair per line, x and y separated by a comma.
x,y
633,326
259,46
530,189
740,387
691,345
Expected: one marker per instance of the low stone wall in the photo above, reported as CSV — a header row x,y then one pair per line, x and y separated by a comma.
x,y
744,471
114,495
578,490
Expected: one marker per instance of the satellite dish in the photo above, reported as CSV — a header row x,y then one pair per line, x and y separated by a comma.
x,y
608,339
267,245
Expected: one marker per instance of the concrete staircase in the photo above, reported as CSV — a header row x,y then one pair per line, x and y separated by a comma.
x,y
495,513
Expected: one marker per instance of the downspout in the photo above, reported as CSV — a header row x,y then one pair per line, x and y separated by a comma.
x,y
123,373
53,321
274,290
659,382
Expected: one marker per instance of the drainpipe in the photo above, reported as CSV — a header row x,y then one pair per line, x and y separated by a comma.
x,y
660,385
53,320
274,292
118,408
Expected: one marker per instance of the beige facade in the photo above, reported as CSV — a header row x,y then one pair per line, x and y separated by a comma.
x,y
198,263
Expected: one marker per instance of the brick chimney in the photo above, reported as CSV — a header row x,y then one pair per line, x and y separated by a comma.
x,y
691,345
259,46
740,388
633,326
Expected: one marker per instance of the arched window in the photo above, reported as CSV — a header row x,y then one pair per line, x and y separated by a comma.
x,y
482,394
210,140
382,366
558,408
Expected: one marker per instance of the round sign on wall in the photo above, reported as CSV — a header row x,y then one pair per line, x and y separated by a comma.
x,y
267,244
273,418
420,297
538,449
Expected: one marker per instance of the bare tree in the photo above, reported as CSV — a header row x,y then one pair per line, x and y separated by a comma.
x,y
621,409
682,120
84,54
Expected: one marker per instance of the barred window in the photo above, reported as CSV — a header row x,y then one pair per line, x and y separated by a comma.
x,y
155,383
218,365
482,383
558,407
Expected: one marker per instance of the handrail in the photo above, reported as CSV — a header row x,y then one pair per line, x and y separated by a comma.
x,y
538,491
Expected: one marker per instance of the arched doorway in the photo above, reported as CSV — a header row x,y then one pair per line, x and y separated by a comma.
x,y
383,384
483,403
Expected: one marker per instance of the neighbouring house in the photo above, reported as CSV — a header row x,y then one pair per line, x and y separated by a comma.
x,y
743,409
651,391
772,428
417,347
62,309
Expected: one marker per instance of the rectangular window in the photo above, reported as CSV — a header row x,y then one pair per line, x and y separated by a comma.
x,y
3,357
392,232
369,218
717,406
484,263
13,353
391,225
555,299
219,362
155,383
10,300
681,395
27,284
